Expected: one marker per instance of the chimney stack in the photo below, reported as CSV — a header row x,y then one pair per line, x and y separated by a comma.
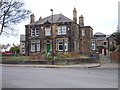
x,y
81,20
32,18
40,18
75,15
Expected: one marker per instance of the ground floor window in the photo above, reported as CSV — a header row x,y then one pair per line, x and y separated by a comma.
x,y
62,45
32,46
35,46
93,45
38,45
23,51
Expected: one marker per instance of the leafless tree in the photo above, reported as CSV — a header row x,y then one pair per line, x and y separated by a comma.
x,y
12,12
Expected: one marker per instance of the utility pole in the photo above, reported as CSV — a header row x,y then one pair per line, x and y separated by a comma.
x,y
52,39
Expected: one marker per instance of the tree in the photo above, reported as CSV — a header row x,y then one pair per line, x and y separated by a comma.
x,y
12,12
14,49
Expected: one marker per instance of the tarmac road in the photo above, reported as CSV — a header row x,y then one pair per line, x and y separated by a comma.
x,y
25,77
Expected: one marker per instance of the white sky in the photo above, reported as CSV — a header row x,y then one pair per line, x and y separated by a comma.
x,y
101,15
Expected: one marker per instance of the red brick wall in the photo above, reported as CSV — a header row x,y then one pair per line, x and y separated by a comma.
x,y
115,56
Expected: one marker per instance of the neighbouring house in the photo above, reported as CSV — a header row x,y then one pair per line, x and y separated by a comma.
x,y
4,48
102,43
59,33
111,43
22,44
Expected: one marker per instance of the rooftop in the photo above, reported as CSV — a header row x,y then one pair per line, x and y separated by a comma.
x,y
99,34
57,18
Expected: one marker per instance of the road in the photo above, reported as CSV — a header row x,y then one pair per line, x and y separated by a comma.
x,y
24,77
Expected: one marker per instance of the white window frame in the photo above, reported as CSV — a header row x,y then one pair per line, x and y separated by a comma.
x,y
62,30
34,32
64,45
93,45
38,45
23,44
60,44
32,46
23,51
83,32
47,31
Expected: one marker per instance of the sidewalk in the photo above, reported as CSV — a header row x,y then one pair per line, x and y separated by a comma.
x,y
54,66
109,65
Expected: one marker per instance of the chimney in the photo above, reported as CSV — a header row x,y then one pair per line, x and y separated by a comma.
x,y
32,18
81,20
40,18
75,15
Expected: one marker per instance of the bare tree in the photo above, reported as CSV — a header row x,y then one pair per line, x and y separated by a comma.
x,y
12,12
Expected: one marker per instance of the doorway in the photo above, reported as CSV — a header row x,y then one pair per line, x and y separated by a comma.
x,y
48,46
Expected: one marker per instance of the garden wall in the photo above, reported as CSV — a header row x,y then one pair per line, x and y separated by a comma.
x,y
115,56
57,61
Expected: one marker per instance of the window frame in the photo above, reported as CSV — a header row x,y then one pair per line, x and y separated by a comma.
x,y
23,49
23,44
32,48
93,45
62,30
38,46
47,31
35,32
83,32
64,44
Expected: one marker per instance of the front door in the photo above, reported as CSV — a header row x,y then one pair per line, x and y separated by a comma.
x,y
48,47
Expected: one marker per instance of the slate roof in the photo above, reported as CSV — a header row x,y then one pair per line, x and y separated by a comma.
x,y
57,18
102,38
99,33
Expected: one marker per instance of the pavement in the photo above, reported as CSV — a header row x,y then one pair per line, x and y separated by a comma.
x,y
90,65
54,66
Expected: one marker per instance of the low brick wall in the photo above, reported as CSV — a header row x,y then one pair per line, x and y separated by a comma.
x,y
57,61
115,56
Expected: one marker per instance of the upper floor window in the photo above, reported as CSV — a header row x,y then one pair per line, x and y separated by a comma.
x,y
35,32
104,43
23,44
47,31
62,30
83,32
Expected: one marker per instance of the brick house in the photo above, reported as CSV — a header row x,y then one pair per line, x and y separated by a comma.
x,y
65,34
102,43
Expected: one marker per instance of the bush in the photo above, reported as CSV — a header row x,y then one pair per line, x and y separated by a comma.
x,y
112,48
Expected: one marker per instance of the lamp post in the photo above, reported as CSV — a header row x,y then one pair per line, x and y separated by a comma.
x,y
52,38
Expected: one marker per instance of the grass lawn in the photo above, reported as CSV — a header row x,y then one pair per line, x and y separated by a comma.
x,y
14,58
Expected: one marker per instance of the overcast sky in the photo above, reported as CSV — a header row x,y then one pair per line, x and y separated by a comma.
x,y
101,15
